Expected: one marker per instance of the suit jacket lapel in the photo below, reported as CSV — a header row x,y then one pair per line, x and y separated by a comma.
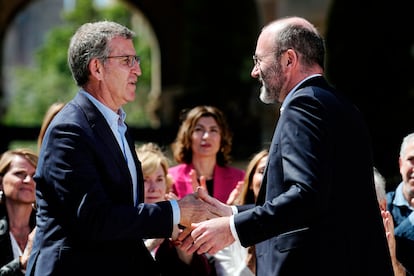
x,y
99,125
318,81
140,177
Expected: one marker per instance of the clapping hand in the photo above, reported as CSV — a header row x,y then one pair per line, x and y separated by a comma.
x,y
196,182
232,199
199,206
201,182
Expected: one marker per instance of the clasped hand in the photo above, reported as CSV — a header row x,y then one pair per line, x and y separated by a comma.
x,y
206,222
199,206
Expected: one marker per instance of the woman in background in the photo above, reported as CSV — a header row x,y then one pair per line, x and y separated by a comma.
x,y
157,186
51,112
17,212
235,259
203,145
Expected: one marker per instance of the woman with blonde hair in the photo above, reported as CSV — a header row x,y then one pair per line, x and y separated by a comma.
x,y
17,212
157,187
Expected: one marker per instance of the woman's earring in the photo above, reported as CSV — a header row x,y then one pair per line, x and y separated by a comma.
x,y
1,196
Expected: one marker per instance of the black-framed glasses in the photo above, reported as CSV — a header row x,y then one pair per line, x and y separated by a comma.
x,y
130,60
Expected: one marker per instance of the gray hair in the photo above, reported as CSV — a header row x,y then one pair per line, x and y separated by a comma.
x,y
379,185
90,41
407,139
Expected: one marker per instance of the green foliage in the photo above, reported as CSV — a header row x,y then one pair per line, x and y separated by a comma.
x,y
49,80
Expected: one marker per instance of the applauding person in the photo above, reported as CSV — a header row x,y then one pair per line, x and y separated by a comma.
x,y
203,144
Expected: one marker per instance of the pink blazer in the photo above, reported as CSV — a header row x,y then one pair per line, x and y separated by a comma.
x,y
225,180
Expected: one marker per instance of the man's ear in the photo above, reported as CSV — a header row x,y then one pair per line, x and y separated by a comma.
x,y
96,67
290,57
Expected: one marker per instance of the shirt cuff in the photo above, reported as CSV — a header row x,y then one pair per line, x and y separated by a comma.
x,y
176,211
233,229
234,209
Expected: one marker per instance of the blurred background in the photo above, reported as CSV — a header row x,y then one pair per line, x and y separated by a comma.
x,y
200,52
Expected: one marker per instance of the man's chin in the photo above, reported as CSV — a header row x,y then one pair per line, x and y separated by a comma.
x,y
131,96
264,96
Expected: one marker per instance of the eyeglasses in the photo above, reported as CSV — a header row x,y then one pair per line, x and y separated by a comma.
x,y
129,60
256,59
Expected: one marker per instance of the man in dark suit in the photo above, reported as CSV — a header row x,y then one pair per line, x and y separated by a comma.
x,y
91,218
316,213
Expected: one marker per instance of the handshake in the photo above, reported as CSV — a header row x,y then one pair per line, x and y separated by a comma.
x,y
199,206
205,221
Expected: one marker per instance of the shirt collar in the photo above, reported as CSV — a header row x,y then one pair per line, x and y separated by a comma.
x,y
110,116
399,199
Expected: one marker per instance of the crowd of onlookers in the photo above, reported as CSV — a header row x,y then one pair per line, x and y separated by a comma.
x,y
201,151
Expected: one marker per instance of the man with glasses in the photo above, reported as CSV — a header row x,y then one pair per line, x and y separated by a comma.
x,y
316,212
91,219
